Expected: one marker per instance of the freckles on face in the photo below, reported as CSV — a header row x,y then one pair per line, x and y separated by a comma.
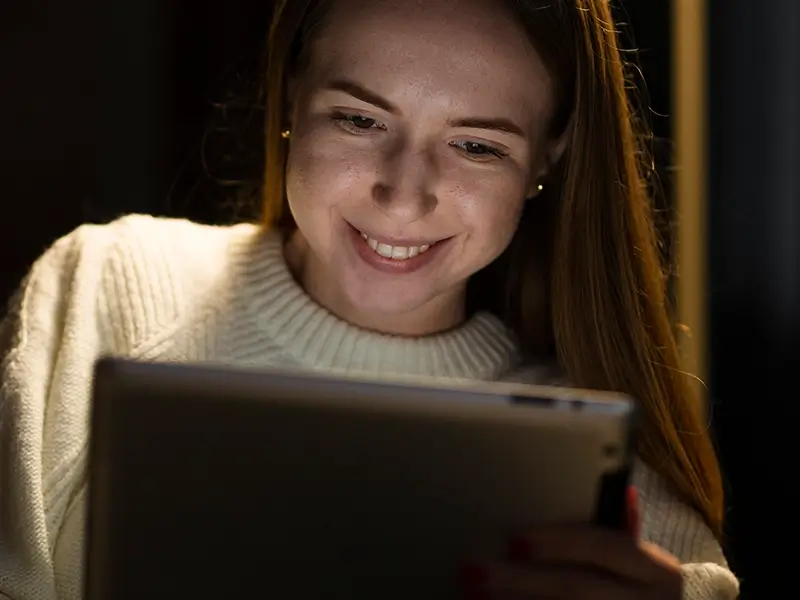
x,y
420,122
487,205
333,174
323,175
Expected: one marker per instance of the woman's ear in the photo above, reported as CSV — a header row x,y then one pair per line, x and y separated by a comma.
x,y
292,89
292,85
554,150
558,146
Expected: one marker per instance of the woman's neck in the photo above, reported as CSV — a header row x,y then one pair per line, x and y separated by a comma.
x,y
441,314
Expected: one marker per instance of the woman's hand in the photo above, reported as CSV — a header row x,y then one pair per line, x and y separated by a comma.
x,y
580,563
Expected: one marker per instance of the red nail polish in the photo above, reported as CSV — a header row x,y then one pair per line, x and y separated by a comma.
x,y
633,510
519,549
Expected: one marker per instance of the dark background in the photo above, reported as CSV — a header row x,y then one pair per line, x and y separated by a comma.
x,y
79,95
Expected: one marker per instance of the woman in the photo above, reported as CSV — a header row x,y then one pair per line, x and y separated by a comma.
x,y
452,189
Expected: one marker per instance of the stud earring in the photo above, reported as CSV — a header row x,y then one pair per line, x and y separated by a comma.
x,y
286,133
540,187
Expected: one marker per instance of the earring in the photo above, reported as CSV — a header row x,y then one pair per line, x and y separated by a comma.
x,y
540,187
286,133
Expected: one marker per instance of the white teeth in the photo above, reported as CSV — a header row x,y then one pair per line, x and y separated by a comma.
x,y
394,252
384,250
400,252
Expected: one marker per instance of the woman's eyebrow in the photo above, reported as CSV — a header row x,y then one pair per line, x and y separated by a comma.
x,y
361,93
365,95
499,124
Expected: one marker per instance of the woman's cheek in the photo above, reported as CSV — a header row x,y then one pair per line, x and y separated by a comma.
x,y
493,195
329,171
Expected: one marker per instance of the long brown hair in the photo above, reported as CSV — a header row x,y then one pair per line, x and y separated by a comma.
x,y
582,281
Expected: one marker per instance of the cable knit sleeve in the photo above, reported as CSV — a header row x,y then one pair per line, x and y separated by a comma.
x,y
671,524
49,342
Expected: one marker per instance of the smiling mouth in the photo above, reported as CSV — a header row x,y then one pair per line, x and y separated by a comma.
x,y
393,251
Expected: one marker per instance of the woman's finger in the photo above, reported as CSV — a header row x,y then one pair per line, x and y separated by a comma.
x,y
593,548
633,509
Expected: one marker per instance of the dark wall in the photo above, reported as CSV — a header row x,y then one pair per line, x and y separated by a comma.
x,y
755,273
204,57
48,98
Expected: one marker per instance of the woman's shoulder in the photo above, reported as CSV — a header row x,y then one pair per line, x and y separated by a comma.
x,y
153,255
135,242
138,240
140,271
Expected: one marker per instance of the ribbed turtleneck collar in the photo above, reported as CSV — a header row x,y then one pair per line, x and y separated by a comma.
x,y
276,311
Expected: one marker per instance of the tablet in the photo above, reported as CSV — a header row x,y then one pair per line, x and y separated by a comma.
x,y
219,483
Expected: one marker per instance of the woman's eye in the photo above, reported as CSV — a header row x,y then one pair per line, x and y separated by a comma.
x,y
361,122
478,151
356,123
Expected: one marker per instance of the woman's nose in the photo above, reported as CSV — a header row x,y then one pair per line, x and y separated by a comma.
x,y
405,190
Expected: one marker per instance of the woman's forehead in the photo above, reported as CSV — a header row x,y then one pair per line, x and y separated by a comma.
x,y
482,25
440,50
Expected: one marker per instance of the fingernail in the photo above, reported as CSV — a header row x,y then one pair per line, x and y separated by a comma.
x,y
474,575
519,549
633,509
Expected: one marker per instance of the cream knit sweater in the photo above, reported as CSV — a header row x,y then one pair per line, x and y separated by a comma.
x,y
160,289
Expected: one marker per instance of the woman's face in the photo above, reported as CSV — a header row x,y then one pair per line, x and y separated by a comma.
x,y
418,132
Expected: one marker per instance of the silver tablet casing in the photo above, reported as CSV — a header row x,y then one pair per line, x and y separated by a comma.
x,y
212,480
